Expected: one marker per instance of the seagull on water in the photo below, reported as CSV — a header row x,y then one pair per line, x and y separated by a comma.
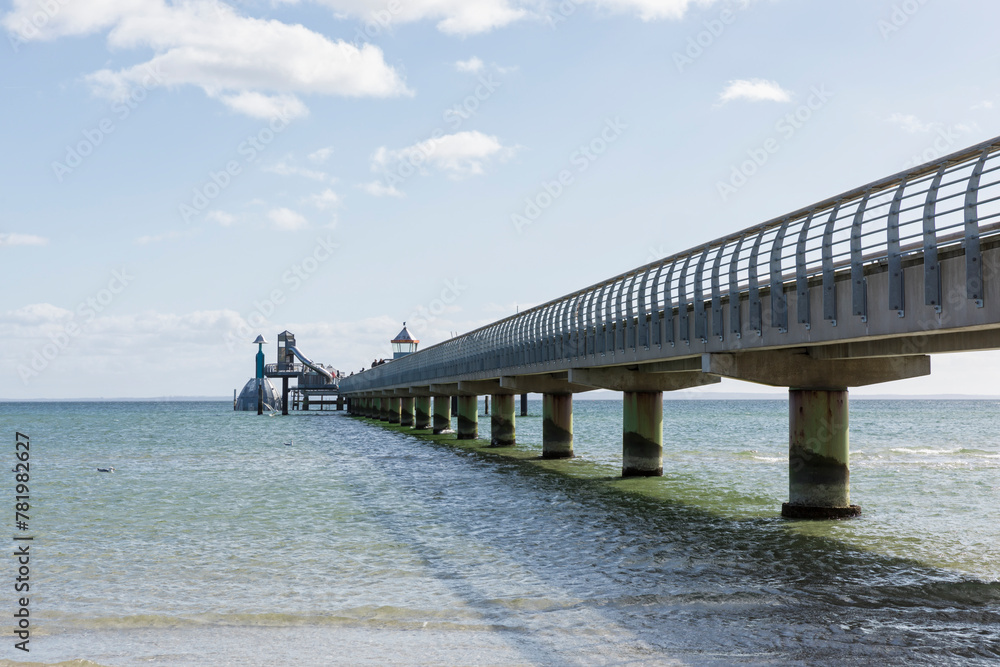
x,y
109,469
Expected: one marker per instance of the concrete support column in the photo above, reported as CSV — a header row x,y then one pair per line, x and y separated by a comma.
x,y
642,434
486,405
557,426
442,414
393,409
381,409
468,417
422,412
502,420
406,411
524,405
819,478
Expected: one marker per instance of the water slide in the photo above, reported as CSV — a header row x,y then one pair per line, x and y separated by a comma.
x,y
308,362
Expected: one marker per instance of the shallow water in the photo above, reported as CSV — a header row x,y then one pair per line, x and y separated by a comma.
x,y
213,543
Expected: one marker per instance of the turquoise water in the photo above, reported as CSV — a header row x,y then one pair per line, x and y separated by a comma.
x,y
214,543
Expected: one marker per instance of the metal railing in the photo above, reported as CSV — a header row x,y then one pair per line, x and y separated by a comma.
x,y
284,368
950,203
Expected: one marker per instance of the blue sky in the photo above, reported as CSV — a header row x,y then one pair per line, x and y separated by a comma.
x,y
182,176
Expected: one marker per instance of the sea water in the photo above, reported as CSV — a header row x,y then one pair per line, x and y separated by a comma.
x,y
225,538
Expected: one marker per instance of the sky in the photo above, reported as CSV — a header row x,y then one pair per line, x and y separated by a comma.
x,y
181,176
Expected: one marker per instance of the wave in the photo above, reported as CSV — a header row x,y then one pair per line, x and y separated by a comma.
x,y
386,617
960,451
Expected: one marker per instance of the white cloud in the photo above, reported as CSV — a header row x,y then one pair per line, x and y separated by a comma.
x,y
755,90
22,239
206,43
284,167
985,104
157,238
910,123
473,65
467,17
647,10
456,17
37,313
258,105
380,189
326,199
221,217
287,220
459,154
322,155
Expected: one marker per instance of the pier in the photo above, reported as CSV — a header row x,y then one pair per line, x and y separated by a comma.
x,y
855,290
316,385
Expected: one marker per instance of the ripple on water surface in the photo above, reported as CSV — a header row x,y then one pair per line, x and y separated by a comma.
x,y
212,534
